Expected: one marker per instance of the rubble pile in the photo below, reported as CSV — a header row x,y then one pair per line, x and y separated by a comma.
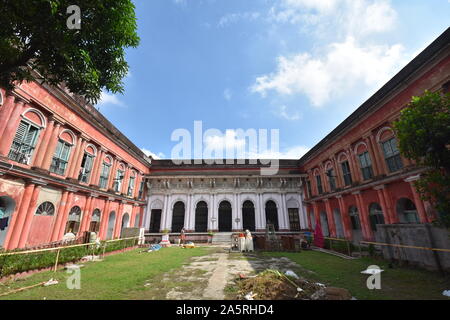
x,y
273,285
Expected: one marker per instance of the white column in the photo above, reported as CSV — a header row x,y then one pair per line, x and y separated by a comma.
x,y
211,212
282,211
261,220
187,212
239,212
302,212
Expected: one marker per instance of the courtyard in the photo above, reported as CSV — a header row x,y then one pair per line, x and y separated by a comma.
x,y
211,273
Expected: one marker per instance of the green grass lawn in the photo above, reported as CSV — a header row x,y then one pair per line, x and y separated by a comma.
x,y
117,277
400,283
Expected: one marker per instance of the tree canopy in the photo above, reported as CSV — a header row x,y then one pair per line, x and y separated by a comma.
x,y
424,136
37,44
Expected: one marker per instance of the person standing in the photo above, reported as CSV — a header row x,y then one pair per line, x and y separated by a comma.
x,y
183,236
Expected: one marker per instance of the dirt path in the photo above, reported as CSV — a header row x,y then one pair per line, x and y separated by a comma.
x,y
206,277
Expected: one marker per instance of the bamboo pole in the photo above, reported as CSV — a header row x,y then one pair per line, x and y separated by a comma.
x,y
56,260
22,289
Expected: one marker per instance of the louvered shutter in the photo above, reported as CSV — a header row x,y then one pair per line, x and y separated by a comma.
x,y
19,137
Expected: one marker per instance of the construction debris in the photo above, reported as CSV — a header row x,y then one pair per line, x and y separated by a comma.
x,y
274,285
51,282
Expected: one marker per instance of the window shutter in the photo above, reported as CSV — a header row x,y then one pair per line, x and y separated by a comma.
x,y
58,149
30,136
21,132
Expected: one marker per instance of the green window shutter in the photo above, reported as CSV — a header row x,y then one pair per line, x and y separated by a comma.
x,y
58,149
65,152
21,132
31,136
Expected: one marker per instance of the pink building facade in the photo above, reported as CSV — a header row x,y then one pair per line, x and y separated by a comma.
x,y
64,167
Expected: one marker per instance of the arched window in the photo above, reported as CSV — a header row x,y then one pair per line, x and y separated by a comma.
x,y
73,222
7,206
87,164
365,162
338,221
225,217
248,216
95,221
120,174
390,149
131,184
312,219
45,209
62,153
136,220
104,172
201,217
178,217
354,218
407,211
272,214
324,224
26,136
294,218
125,221
111,224
376,215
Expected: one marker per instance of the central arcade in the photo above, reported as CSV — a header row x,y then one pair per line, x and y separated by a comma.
x,y
224,198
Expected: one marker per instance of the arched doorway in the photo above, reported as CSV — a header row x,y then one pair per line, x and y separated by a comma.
x,y
375,215
201,217
293,212
111,222
338,221
324,224
356,224
155,216
225,218
94,226
125,221
136,220
407,211
73,222
7,206
178,217
248,216
272,214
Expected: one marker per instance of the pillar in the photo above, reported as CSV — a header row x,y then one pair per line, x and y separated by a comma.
x,y
40,152
104,219
95,176
6,110
10,129
391,209
59,214
316,214
372,148
50,150
382,201
419,204
330,216
364,216
112,174
346,224
64,216
77,159
29,217
13,239
118,225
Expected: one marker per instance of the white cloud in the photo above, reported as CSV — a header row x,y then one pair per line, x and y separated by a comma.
x,y
334,73
227,94
109,99
295,152
285,113
235,17
155,156
349,61
238,146
356,18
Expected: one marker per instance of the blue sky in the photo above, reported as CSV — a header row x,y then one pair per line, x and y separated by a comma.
x,y
300,66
